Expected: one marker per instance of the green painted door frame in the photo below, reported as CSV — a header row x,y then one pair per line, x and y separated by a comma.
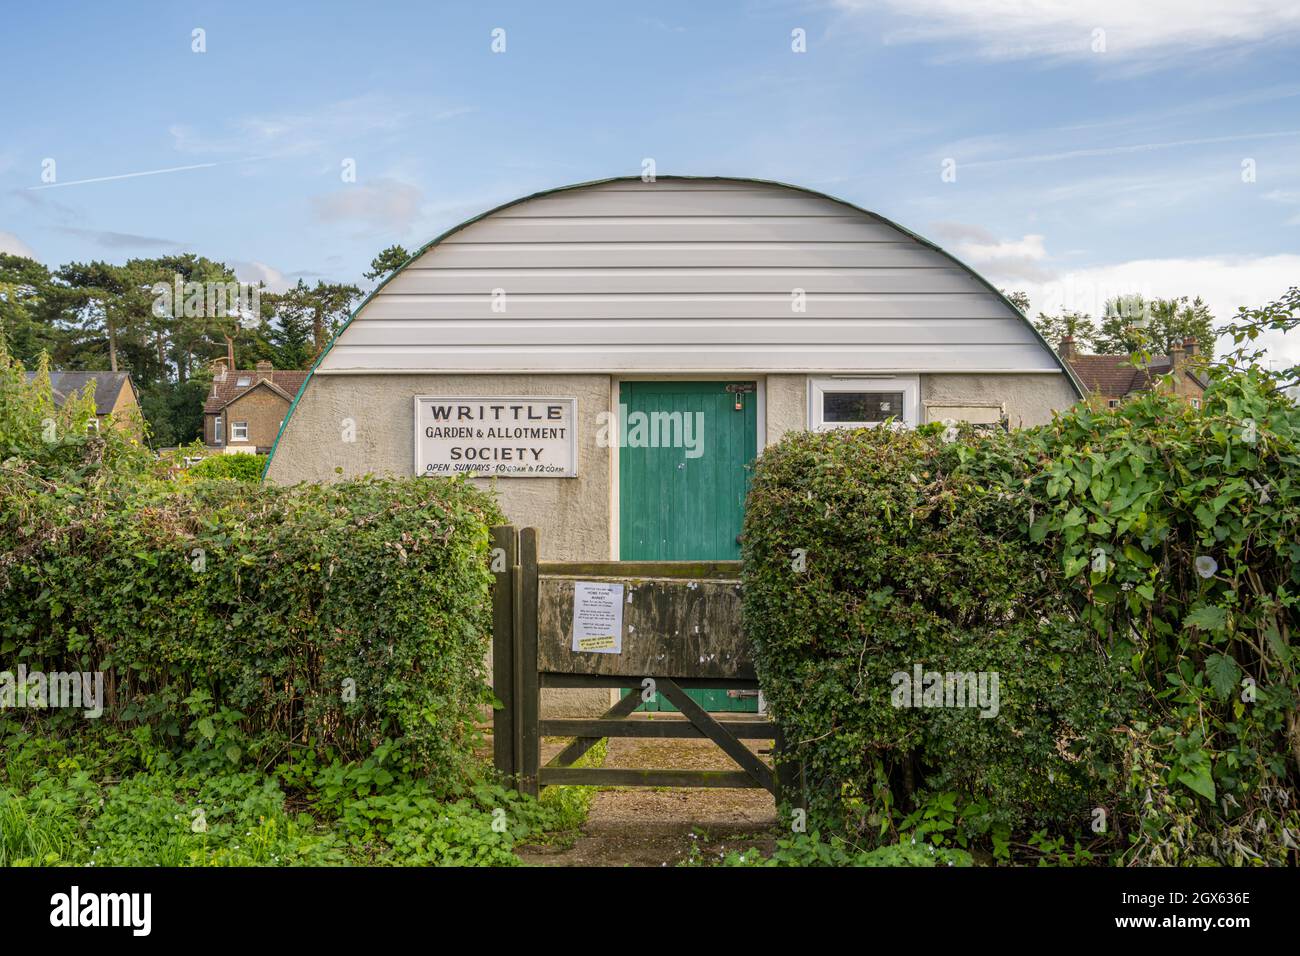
x,y
684,458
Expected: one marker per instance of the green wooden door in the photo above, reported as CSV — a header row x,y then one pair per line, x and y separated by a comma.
x,y
683,473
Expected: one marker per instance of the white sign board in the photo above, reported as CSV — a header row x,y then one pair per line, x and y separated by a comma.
x,y
597,617
509,437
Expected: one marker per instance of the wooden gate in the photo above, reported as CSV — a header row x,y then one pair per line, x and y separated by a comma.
x,y
680,631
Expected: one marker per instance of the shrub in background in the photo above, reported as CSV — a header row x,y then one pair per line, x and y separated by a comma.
x,y
242,467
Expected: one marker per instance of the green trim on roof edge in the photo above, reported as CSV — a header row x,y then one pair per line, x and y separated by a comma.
x,y
1064,366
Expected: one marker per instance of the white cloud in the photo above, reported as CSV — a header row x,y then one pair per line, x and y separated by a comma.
x,y
1013,259
1016,29
1224,282
1029,247
14,246
386,204
253,272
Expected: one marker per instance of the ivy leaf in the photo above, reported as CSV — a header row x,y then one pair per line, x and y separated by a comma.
x,y
1224,674
1074,565
1198,780
1207,617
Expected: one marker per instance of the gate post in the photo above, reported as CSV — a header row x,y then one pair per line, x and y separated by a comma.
x,y
530,699
503,560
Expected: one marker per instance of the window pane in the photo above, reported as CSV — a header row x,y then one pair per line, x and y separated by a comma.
x,y
861,406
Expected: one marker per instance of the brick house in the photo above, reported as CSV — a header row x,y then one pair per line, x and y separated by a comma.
x,y
244,408
1113,379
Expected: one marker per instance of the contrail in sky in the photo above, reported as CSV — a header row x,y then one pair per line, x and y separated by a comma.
x,y
147,172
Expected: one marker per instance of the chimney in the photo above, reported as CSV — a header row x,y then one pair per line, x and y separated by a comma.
x,y
1177,357
218,375
1192,348
1066,348
264,369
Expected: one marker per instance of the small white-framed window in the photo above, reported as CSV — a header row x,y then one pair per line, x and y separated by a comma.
x,y
218,432
239,431
863,402
1112,403
1196,403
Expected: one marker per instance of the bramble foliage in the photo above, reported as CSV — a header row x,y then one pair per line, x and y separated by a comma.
x,y
1130,574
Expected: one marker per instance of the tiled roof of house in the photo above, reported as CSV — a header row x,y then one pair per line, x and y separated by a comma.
x,y
1114,376
108,386
227,390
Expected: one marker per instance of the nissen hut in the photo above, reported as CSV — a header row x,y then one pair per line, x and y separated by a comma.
x,y
613,355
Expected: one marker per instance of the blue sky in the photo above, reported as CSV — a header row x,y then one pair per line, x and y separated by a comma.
x,y
1099,147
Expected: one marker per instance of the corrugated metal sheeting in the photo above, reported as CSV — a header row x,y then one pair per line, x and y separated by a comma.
x,y
685,275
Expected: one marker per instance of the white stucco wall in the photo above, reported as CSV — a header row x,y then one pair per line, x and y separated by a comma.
x,y
571,514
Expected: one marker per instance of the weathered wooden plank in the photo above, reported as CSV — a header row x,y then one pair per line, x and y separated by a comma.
x,y
625,570
531,700
504,554
673,627
605,777
575,750
570,681
663,727
719,734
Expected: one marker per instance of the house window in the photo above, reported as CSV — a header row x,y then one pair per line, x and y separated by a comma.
x,y
1196,403
92,425
243,381
861,402
1113,403
239,431
218,431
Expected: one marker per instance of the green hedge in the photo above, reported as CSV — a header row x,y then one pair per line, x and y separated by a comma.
x,y
1131,575
241,467
869,552
244,619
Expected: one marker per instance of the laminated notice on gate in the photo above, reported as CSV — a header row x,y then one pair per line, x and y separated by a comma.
x,y
598,617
